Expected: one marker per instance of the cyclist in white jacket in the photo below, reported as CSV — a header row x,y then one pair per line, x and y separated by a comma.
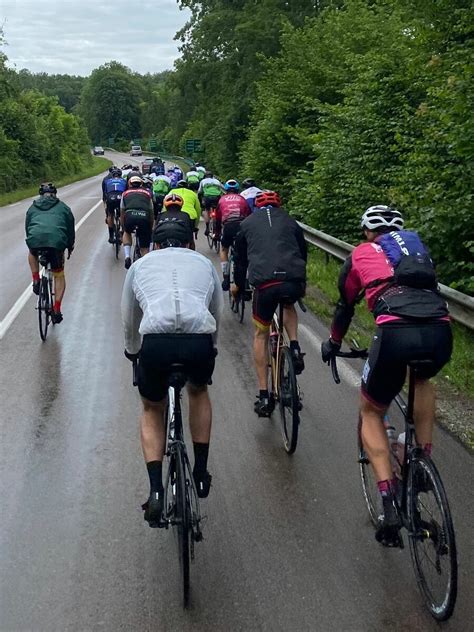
x,y
171,304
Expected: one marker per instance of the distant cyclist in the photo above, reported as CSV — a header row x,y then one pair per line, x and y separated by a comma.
x,y
395,273
231,210
114,187
136,213
249,191
193,179
210,190
157,167
49,227
161,187
271,245
171,305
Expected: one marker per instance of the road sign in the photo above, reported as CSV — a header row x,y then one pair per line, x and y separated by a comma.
x,y
152,144
193,145
111,141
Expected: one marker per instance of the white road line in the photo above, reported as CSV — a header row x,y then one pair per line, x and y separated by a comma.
x,y
9,319
346,371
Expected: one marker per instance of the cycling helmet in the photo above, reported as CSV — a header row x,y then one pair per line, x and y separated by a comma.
x,y
116,172
248,182
135,182
232,185
200,168
47,187
182,184
135,168
381,216
173,199
267,198
208,174
172,232
111,168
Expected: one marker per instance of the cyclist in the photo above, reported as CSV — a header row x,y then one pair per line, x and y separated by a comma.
x,y
210,190
412,323
271,245
161,187
201,171
193,179
231,210
49,226
173,207
134,171
157,167
114,187
126,170
249,191
136,212
104,180
191,204
172,300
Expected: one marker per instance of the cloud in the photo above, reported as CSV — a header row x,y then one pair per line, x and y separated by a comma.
x,y
76,36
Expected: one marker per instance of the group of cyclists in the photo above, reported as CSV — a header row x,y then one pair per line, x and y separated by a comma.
x,y
173,297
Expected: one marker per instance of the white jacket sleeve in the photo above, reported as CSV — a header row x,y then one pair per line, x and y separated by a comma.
x,y
217,303
131,314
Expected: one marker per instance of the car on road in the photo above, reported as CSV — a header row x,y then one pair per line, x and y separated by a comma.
x,y
98,151
136,150
147,163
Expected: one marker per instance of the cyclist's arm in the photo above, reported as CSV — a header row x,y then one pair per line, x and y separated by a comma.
x,y
217,303
131,314
71,230
301,242
350,287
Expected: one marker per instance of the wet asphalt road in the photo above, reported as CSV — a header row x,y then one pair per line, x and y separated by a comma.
x,y
287,541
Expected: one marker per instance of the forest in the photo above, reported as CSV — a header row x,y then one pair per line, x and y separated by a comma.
x,y
336,104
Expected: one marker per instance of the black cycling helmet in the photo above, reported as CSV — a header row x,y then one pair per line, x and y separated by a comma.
x,y
135,168
47,187
111,168
248,182
208,174
116,172
182,184
172,231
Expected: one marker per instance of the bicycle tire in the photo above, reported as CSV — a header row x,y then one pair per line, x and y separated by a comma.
x,y
116,237
44,308
184,525
217,245
241,308
440,537
372,496
288,401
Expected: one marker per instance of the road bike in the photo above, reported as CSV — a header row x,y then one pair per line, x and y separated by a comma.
x,y
237,304
46,296
422,505
284,389
117,231
213,238
181,503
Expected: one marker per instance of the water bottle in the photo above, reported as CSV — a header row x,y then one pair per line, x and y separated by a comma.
x,y
393,445
401,447
274,343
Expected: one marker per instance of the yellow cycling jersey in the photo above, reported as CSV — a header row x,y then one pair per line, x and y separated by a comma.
x,y
191,204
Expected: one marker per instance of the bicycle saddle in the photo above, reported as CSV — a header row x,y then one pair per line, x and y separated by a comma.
x,y
418,364
177,375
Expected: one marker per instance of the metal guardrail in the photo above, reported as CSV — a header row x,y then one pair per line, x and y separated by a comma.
x,y
461,306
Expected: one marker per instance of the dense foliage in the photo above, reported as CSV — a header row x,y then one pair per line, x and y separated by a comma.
x,y
39,140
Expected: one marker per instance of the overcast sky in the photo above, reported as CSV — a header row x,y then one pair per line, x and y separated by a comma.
x,y
76,36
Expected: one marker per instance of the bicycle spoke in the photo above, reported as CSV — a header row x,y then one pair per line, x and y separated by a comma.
x,y
289,401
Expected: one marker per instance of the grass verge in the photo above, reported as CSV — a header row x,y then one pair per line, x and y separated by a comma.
x,y
455,382
98,166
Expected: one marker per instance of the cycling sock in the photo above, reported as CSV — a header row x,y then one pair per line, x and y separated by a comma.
x,y
154,474
36,276
126,250
428,448
57,306
201,452
294,344
225,268
263,394
385,488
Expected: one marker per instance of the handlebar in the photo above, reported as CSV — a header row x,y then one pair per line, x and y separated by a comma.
x,y
353,353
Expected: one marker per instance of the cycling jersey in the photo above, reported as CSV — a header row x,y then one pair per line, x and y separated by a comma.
x,y
249,196
177,290
137,200
192,177
161,185
211,187
231,207
191,204
115,185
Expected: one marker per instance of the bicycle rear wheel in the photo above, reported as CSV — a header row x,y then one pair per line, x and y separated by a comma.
x,y
289,401
372,496
183,520
241,307
117,236
432,539
44,308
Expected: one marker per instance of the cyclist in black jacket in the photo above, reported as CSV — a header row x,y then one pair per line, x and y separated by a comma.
x,y
271,245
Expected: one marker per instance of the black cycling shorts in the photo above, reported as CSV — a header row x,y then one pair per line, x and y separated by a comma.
x,y
53,256
138,220
210,201
229,233
394,345
112,204
267,297
160,351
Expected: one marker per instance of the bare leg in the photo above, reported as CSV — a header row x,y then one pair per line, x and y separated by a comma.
x,y
59,287
260,352
152,430
33,263
424,411
374,439
290,320
200,413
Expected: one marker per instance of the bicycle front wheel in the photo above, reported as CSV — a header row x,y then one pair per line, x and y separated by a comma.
x,y
372,496
183,520
44,308
289,401
432,539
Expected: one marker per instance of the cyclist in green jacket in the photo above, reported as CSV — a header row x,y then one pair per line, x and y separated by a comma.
x,y
49,227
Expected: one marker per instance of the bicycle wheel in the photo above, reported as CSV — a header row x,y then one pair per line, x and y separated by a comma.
x,y
44,308
184,524
432,539
241,308
372,497
289,401
117,236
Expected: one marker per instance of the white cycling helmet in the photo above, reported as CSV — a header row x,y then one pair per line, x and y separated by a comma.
x,y
381,216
